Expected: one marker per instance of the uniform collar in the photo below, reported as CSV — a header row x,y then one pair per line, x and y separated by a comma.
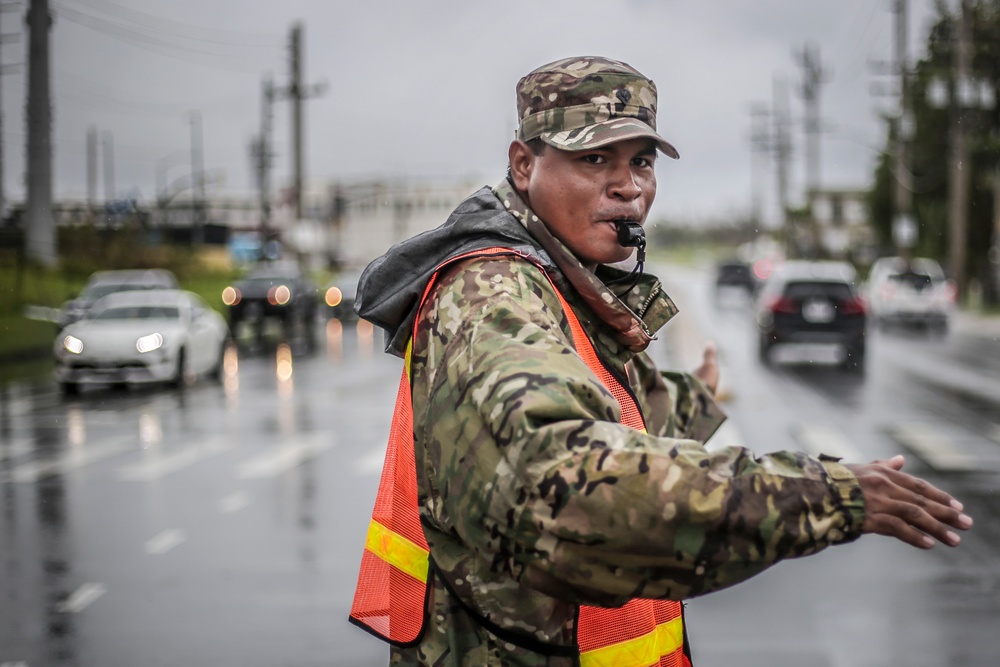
x,y
635,316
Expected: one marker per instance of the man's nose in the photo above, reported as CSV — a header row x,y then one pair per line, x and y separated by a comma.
x,y
624,184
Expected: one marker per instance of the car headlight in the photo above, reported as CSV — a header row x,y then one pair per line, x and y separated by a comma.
x,y
231,296
149,343
72,344
334,297
279,295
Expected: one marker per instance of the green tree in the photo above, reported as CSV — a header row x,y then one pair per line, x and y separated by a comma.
x,y
929,147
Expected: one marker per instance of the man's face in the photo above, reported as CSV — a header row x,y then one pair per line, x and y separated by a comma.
x,y
580,194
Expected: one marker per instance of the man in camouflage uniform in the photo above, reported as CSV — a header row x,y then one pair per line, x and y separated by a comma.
x,y
533,497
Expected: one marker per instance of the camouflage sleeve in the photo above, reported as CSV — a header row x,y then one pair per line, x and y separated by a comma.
x,y
676,405
542,482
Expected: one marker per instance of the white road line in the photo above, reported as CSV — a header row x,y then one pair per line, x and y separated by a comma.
x,y
160,465
14,664
935,449
164,542
76,458
81,598
18,447
819,439
234,502
284,457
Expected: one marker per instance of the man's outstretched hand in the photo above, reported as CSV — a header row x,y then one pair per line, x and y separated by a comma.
x,y
908,508
708,372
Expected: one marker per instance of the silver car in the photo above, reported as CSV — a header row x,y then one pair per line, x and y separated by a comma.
x,y
912,293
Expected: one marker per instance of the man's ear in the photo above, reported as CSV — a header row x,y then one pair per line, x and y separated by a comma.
x,y
522,161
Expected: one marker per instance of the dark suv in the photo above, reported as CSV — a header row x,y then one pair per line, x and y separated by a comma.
x,y
734,273
813,302
273,290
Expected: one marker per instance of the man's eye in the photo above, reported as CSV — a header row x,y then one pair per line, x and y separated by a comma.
x,y
642,162
593,158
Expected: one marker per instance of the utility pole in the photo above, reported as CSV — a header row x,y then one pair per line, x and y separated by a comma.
x,y
782,150
813,75
91,169
297,92
4,39
263,157
958,181
759,146
197,182
40,232
109,168
904,227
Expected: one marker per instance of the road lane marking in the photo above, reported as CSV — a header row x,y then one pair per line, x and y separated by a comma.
x,y
284,457
819,439
936,450
164,542
17,448
78,457
160,465
81,598
234,502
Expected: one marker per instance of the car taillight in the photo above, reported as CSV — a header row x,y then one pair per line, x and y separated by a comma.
x,y
950,292
783,305
854,305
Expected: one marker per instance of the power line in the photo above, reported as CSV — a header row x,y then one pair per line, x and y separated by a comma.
x,y
157,45
229,37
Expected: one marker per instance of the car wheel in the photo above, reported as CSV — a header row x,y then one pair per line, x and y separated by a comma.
x,y
219,368
854,359
182,374
764,349
69,388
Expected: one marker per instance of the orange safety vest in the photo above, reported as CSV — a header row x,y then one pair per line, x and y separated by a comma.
x,y
391,597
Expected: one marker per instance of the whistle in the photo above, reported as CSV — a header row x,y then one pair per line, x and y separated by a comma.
x,y
630,233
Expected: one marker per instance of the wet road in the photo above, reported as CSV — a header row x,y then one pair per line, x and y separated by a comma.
x,y
222,524
876,602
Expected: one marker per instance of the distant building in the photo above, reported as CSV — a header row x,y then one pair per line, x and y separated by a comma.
x,y
348,222
369,216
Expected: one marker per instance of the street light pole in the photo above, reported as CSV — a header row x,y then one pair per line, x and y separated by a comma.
x,y
958,182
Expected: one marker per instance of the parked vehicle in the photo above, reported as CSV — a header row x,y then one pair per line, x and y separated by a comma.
x,y
914,293
273,290
734,273
339,296
140,337
813,302
102,283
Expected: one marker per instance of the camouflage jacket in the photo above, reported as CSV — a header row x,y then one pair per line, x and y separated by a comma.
x,y
533,498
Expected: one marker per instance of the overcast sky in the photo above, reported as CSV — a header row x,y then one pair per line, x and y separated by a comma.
x,y
425,89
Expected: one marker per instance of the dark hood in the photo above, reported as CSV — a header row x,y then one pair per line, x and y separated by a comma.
x,y
391,286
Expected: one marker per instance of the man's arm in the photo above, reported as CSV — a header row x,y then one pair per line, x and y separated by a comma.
x,y
542,482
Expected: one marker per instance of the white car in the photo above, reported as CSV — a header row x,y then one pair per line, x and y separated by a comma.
x,y
139,337
914,293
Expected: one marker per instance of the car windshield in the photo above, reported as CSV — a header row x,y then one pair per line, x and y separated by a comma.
x,y
916,281
95,292
812,289
139,313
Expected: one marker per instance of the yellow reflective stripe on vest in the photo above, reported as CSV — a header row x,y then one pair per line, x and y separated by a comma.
x,y
397,551
641,651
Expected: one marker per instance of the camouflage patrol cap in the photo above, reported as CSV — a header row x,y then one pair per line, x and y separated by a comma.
x,y
575,104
